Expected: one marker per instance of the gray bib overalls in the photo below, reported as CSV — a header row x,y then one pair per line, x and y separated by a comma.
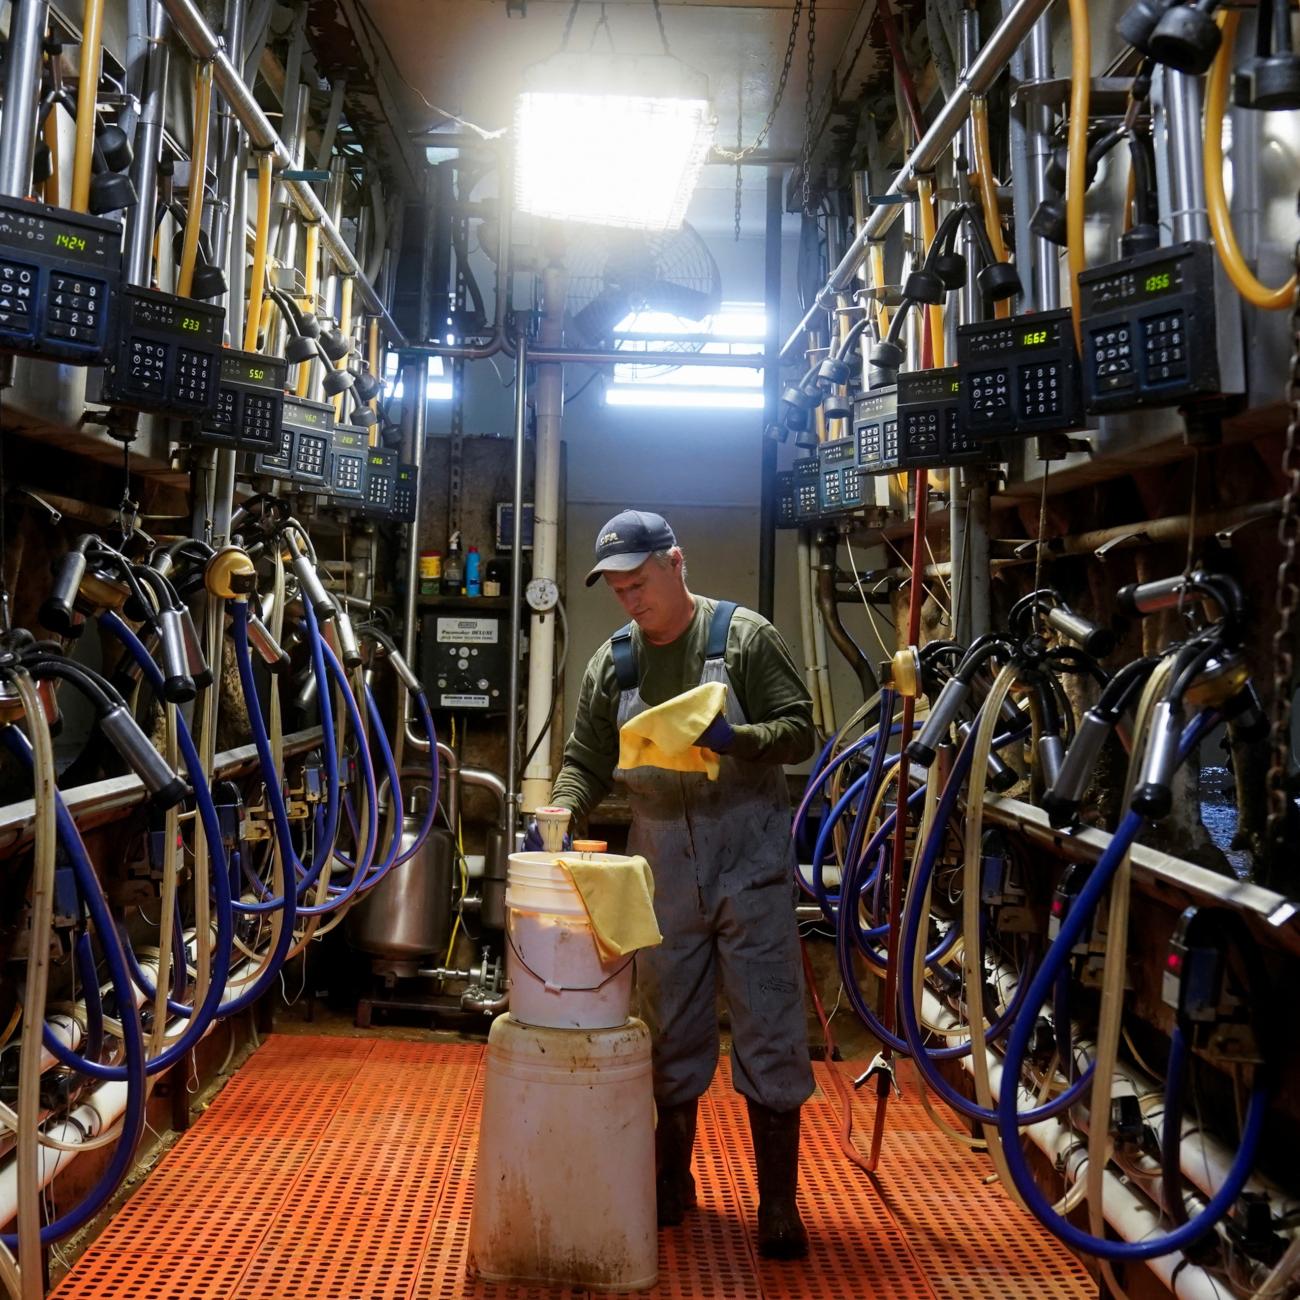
x,y
722,859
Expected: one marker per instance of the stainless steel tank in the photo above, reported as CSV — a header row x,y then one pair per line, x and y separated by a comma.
x,y
407,916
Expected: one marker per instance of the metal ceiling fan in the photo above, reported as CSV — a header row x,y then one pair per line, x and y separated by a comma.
x,y
618,274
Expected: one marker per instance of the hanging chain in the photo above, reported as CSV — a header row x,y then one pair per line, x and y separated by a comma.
x,y
568,25
740,116
808,107
659,18
1288,597
739,154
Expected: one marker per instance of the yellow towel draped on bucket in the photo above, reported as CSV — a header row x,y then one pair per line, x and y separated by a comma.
x,y
619,898
665,736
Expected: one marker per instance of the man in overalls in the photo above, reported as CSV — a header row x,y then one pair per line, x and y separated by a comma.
x,y
721,856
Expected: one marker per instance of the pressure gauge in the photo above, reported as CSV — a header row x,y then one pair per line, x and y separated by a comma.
x,y
542,595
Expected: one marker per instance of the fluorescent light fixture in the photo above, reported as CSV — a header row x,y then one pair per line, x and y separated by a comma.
x,y
611,140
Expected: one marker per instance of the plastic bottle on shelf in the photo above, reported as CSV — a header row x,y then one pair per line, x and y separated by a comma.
x,y
451,568
430,572
473,585
496,577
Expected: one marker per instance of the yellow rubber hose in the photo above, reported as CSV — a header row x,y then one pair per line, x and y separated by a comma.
x,y
373,359
257,284
345,325
1216,199
310,259
198,170
988,190
925,196
92,39
1077,142
878,283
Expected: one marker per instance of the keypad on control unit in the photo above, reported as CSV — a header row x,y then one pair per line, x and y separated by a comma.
x,y
17,292
1163,340
348,471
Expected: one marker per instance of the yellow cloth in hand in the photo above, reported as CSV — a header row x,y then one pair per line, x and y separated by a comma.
x,y
665,736
619,898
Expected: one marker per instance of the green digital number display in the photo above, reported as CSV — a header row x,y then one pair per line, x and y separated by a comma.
x,y
1158,282
955,387
256,372
74,243
1033,338
379,461
191,323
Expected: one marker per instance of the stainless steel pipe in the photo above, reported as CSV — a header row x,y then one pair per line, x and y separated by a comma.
x,y
147,144
22,85
516,581
984,71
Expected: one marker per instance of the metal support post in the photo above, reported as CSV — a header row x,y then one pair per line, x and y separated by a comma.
x,y
22,86
978,572
548,403
228,176
1176,100
1044,286
516,581
771,396
971,304
147,144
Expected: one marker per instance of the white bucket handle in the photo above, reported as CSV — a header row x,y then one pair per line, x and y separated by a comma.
x,y
547,984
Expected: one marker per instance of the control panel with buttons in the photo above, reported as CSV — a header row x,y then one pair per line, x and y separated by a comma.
x,y
249,413
875,430
404,491
841,482
1018,376
1149,329
165,355
929,427
345,485
465,658
59,272
807,489
785,514
381,483
306,432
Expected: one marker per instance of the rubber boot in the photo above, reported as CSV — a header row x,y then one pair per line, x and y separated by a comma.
x,y
775,1134
674,1142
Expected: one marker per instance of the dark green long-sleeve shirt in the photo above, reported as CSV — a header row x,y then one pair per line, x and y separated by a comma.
x,y
768,687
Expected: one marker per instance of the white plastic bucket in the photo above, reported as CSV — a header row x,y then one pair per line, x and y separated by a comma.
x,y
564,1185
557,977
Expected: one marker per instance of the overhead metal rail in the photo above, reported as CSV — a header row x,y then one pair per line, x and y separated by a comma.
x,y
1273,913
103,801
204,44
977,80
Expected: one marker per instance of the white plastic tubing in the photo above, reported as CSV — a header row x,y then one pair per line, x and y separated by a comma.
x,y
549,396
92,1116
1204,1163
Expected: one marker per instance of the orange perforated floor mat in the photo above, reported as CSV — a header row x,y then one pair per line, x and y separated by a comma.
x,y
342,1168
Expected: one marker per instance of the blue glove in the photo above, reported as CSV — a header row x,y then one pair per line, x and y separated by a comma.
x,y
717,736
533,838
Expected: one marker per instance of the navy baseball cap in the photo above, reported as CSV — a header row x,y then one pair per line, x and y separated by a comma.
x,y
628,540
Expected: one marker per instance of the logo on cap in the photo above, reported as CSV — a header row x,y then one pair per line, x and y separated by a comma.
x,y
607,538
